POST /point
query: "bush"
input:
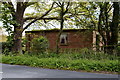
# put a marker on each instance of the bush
(60, 63)
(39, 45)
(6, 48)
(93, 55)
(24, 41)
(118, 50)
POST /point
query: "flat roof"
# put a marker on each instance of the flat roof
(56, 30)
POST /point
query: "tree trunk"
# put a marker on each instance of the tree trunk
(17, 47)
(61, 30)
(61, 27)
(107, 26)
(110, 33)
(18, 28)
(100, 30)
(114, 27)
(57, 42)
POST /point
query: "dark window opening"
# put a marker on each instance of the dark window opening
(63, 39)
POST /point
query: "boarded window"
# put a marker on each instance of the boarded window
(63, 39)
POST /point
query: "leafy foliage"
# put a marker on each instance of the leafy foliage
(76, 15)
(7, 18)
(118, 49)
(86, 60)
(82, 54)
(7, 46)
(64, 63)
(39, 45)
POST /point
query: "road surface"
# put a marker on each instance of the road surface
(17, 71)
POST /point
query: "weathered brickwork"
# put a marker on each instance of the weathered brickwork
(76, 38)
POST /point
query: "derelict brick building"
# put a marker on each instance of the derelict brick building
(70, 38)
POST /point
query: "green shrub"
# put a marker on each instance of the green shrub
(24, 41)
(59, 63)
(77, 55)
(39, 45)
(6, 48)
(118, 50)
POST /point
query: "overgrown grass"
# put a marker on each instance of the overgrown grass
(87, 62)
(91, 55)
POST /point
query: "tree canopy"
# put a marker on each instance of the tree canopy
(100, 16)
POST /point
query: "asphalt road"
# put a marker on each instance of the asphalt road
(16, 71)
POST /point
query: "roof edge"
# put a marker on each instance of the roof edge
(49, 30)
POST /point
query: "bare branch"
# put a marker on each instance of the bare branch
(73, 15)
(30, 3)
(58, 4)
(66, 8)
(25, 3)
(52, 18)
(29, 18)
(110, 8)
(40, 17)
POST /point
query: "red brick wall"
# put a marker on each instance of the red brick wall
(76, 38)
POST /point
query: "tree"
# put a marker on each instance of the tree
(62, 12)
(77, 12)
(70, 11)
(108, 25)
(15, 17)
(114, 27)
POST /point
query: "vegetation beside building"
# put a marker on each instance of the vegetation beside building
(75, 61)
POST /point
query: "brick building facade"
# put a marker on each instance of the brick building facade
(70, 38)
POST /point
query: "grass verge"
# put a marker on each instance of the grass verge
(63, 63)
